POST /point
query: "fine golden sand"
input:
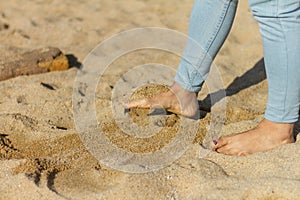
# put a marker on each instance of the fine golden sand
(43, 157)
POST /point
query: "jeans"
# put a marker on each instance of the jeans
(279, 22)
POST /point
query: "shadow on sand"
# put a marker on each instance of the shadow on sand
(252, 77)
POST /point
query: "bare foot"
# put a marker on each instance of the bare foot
(266, 136)
(176, 100)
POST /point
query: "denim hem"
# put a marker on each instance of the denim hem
(278, 116)
(277, 120)
(185, 85)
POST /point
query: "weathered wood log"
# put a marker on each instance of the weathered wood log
(33, 62)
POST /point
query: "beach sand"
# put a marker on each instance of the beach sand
(42, 155)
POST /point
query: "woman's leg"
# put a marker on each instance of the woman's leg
(280, 29)
(210, 23)
(279, 22)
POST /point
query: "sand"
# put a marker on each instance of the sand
(42, 155)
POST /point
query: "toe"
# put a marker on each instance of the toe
(226, 151)
(219, 143)
(142, 103)
(231, 151)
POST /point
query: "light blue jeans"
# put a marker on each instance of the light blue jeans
(279, 21)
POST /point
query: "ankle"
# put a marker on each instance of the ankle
(176, 88)
(277, 125)
(284, 130)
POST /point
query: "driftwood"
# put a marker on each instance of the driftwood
(33, 62)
